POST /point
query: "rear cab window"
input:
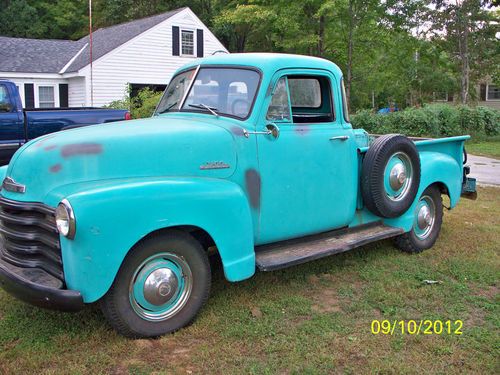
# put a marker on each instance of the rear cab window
(308, 98)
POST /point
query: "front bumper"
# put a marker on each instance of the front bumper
(37, 287)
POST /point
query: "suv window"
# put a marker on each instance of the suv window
(4, 99)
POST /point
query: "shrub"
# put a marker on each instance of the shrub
(140, 106)
(433, 120)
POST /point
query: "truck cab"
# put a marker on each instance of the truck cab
(251, 156)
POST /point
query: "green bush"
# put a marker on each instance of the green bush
(434, 120)
(140, 106)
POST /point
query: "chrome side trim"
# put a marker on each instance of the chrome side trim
(8, 146)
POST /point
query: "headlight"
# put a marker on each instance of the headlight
(65, 219)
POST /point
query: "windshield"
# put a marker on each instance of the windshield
(220, 91)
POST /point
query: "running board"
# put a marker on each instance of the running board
(291, 252)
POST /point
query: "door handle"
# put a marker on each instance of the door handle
(340, 138)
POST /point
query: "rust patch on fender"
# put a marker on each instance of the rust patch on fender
(81, 149)
(253, 184)
(50, 148)
(55, 168)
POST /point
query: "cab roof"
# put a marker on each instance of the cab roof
(268, 62)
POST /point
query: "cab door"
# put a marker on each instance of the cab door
(308, 173)
(11, 124)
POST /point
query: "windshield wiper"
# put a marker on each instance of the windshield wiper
(204, 106)
(168, 108)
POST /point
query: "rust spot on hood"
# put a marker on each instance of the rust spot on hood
(50, 148)
(253, 184)
(81, 149)
(55, 168)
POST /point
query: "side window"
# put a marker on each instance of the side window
(311, 98)
(4, 99)
(279, 109)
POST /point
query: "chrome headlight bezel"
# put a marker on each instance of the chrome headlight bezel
(65, 219)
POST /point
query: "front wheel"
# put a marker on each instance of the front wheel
(426, 224)
(161, 286)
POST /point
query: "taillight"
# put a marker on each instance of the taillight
(127, 116)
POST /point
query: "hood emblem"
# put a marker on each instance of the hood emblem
(214, 165)
(10, 185)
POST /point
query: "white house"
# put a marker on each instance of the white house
(136, 54)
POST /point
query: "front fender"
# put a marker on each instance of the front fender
(112, 216)
(436, 167)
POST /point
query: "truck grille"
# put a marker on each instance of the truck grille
(29, 237)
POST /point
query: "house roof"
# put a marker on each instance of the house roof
(35, 55)
(51, 56)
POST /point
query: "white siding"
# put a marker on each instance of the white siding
(146, 59)
(76, 92)
(36, 82)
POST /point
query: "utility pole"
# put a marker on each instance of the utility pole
(91, 58)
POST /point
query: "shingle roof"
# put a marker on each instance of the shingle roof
(35, 55)
(50, 56)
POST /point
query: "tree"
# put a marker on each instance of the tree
(466, 30)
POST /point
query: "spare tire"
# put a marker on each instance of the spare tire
(390, 175)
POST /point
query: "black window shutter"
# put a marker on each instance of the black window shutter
(199, 42)
(482, 92)
(175, 41)
(63, 95)
(29, 95)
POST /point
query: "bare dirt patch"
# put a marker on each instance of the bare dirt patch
(326, 301)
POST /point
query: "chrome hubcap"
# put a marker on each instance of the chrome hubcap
(398, 176)
(161, 286)
(425, 217)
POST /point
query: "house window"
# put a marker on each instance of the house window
(187, 42)
(46, 97)
(493, 92)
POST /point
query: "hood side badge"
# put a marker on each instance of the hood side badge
(214, 165)
(10, 185)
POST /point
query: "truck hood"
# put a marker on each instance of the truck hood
(162, 146)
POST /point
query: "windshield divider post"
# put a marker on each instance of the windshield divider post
(189, 87)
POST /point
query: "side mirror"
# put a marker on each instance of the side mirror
(273, 130)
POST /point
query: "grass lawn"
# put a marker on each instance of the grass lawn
(484, 148)
(313, 318)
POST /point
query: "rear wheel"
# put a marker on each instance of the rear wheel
(161, 286)
(427, 222)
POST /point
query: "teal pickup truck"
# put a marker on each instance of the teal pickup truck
(249, 156)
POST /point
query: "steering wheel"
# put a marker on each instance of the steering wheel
(240, 107)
